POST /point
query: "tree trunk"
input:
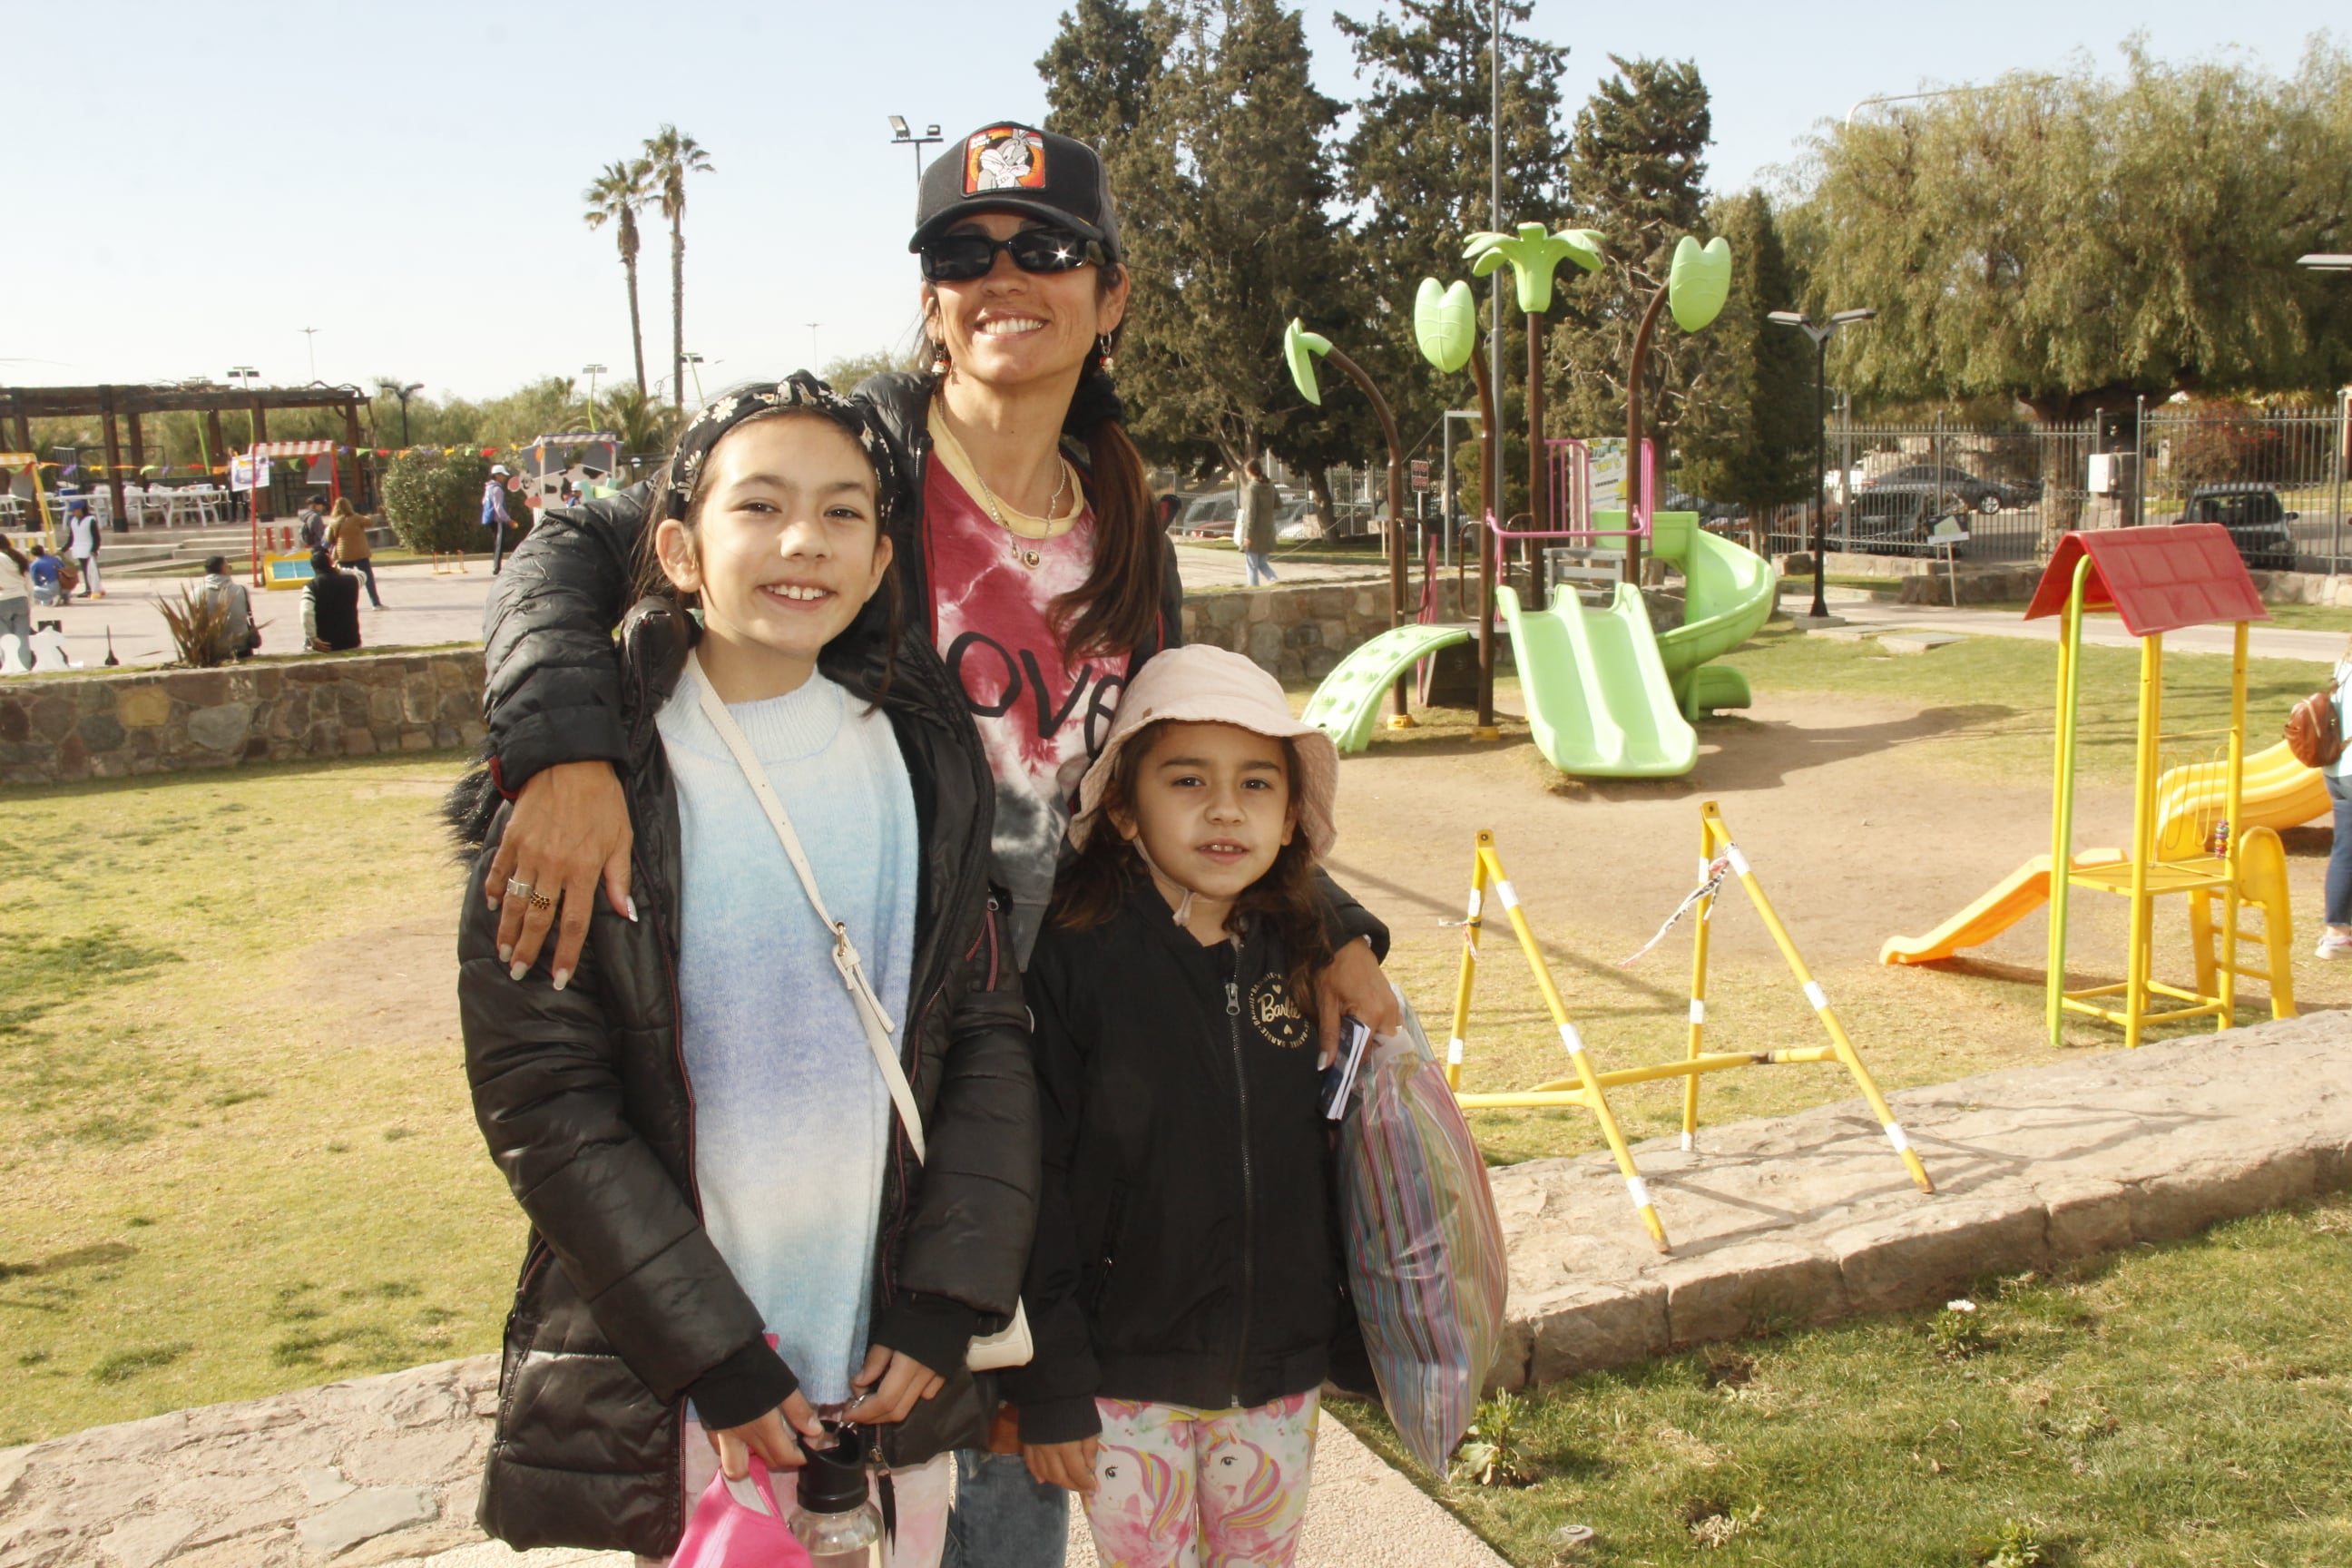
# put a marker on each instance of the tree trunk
(636, 328)
(677, 312)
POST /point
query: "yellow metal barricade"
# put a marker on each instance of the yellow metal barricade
(1720, 856)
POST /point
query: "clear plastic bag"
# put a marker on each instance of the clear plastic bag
(1423, 1245)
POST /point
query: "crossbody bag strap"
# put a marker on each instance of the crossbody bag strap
(877, 1025)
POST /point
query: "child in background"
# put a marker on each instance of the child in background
(1186, 1283)
(732, 1232)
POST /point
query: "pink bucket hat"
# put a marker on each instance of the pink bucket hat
(1204, 685)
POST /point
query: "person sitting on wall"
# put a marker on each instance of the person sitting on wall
(331, 606)
(238, 636)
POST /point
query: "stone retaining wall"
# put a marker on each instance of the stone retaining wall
(119, 723)
(126, 722)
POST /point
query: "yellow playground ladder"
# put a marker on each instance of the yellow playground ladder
(1720, 856)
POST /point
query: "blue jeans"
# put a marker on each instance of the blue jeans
(1004, 1516)
(2340, 856)
(1260, 568)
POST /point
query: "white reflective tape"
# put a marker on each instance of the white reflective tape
(1738, 861)
(1475, 900)
(1816, 996)
(1453, 1051)
(1507, 893)
(1686, 1143)
(1571, 1039)
(1639, 1190)
(1894, 1136)
(1698, 1010)
(1706, 867)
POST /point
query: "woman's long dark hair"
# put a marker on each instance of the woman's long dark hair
(1116, 609)
(1097, 884)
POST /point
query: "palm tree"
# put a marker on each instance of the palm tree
(614, 198)
(670, 156)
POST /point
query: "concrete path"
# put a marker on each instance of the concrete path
(426, 609)
(2102, 631)
(384, 1470)
(1810, 1217)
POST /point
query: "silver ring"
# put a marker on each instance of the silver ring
(517, 887)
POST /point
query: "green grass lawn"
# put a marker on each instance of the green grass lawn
(239, 1153)
(2171, 1406)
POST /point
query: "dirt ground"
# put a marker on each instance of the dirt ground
(1857, 832)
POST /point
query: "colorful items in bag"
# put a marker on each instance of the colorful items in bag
(1424, 1247)
(737, 1525)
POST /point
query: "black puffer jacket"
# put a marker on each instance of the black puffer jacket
(551, 694)
(625, 1306)
(1187, 1251)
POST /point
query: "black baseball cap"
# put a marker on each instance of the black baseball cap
(1007, 167)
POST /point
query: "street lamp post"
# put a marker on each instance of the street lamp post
(694, 364)
(2325, 261)
(591, 372)
(1821, 335)
(903, 134)
(402, 392)
(245, 375)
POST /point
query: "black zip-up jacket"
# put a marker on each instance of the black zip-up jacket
(550, 692)
(1186, 1249)
(625, 1308)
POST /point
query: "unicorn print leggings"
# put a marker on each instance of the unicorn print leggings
(1178, 1488)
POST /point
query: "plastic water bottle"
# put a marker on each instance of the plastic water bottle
(838, 1523)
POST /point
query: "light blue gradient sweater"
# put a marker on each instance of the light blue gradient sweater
(791, 1118)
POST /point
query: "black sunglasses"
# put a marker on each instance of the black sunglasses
(962, 257)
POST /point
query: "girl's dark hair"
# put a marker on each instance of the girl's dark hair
(1116, 608)
(888, 621)
(1098, 882)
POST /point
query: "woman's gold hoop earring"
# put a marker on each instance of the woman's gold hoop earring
(1104, 347)
(938, 357)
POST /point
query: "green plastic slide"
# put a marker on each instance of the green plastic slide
(1347, 702)
(1599, 703)
(1606, 698)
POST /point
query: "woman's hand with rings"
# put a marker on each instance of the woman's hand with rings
(1070, 1466)
(771, 1436)
(1353, 986)
(888, 1387)
(567, 832)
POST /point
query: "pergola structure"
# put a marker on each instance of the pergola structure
(120, 410)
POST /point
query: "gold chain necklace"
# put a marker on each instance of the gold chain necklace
(1031, 557)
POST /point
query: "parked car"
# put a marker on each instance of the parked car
(2256, 519)
(1207, 517)
(1297, 520)
(1972, 491)
(1901, 519)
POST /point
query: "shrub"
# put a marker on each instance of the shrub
(199, 626)
(435, 503)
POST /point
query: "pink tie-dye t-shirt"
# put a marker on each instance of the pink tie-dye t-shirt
(1042, 717)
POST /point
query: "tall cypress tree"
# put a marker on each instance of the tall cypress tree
(1098, 72)
(1224, 182)
(1748, 437)
(1417, 167)
(1636, 173)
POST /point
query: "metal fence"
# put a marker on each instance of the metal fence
(2275, 479)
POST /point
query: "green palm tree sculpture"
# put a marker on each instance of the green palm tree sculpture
(1698, 281)
(670, 156)
(1445, 330)
(1300, 349)
(1533, 256)
(615, 197)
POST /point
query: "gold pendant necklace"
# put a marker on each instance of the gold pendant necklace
(1031, 557)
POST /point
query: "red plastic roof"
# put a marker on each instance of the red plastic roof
(2160, 579)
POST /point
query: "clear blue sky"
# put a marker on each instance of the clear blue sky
(198, 184)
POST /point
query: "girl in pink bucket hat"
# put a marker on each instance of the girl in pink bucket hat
(1184, 1285)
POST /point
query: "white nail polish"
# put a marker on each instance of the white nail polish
(562, 978)
(518, 970)
(631, 901)
(506, 953)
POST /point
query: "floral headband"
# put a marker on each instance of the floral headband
(799, 390)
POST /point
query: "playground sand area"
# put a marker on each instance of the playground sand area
(242, 1050)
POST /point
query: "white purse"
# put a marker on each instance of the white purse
(1011, 1346)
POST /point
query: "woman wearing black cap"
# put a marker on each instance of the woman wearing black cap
(1047, 581)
